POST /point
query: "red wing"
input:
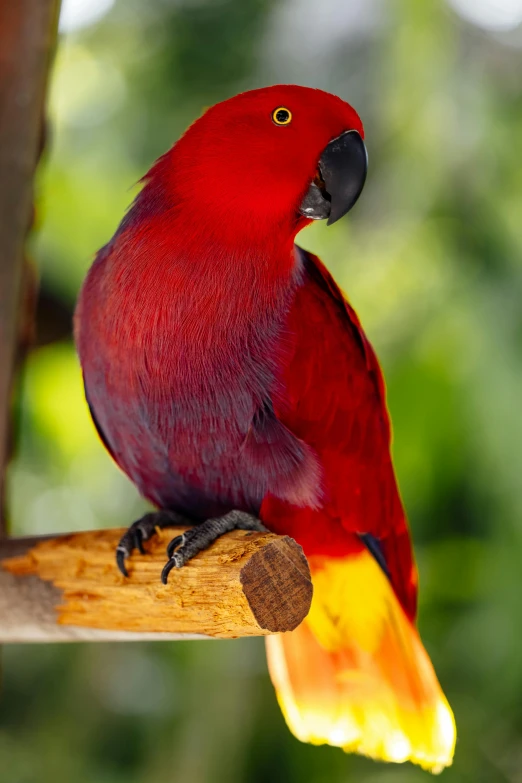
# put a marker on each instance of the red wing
(324, 280)
(336, 403)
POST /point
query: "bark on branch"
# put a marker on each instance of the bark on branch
(68, 588)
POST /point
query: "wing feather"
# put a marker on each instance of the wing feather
(335, 401)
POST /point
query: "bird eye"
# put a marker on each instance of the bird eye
(282, 116)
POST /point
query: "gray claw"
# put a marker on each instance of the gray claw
(121, 554)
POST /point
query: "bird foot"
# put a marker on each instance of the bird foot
(142, 530)
(182, 548)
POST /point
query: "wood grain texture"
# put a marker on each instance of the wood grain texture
(245, 584)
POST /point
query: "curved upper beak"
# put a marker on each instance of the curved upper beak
(340, 180)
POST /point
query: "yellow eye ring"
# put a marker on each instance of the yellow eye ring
(282, 116)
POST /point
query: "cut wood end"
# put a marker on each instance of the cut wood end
(277, 584)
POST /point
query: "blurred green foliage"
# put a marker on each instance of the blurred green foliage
(430, 258)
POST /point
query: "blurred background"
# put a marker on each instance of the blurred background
(431, 258)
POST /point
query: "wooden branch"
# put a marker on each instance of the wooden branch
(27, 36)
(68, 588)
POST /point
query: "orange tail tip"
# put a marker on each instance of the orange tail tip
(355, 673)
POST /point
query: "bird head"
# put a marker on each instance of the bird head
(279, 156)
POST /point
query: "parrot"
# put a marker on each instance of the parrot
(230, 379)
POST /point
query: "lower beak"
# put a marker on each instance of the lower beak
(342, 174)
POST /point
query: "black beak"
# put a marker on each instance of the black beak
(341, 177)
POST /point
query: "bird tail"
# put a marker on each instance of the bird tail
(355, 674)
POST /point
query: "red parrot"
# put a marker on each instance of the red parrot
(232, 382)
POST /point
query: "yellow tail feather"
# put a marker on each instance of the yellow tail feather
(355, 673)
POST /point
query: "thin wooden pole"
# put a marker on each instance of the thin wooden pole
(69, 588)
(27, 38)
